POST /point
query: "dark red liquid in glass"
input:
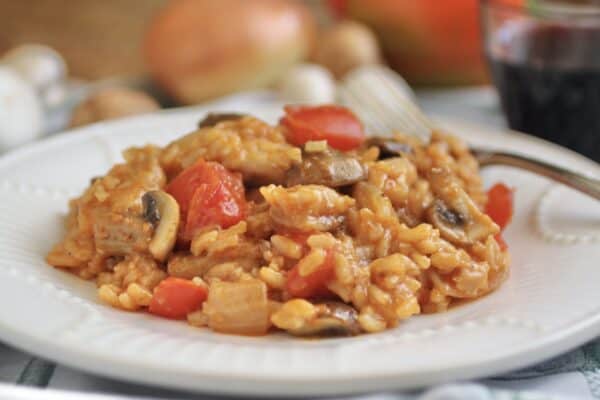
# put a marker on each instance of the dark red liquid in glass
(549, 83)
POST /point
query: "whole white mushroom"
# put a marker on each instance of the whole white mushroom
(39, 65)
(308, 84)
(21, 115)
(346, 46)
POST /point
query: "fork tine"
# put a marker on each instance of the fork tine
(362, 95)
(346, 98)
(408, 111)
(385, 101)
(350, 99)
(369, 103)
(395, 85)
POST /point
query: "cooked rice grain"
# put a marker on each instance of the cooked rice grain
(392, 255)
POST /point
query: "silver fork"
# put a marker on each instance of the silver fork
(385, 103)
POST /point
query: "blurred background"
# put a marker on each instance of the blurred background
(98, 39)
(101, 39)
(91, 60)
(69, 63)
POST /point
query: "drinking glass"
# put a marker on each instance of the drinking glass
(544, 58)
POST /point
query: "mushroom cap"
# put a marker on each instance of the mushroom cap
(39, 65)
(334, 319)
(307, 84)
(21, 114)
(110, 103)
(389, 147)
(162, 211)
(454, 213)
(212, 119)
(330, 168)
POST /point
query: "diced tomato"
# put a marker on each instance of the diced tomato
(208, 194)
(500, 204)
(501, 241)
(183, 186)
(338, 7)
(338, 125)
(175, 298)
(213, 205)
(313, 285)
(500, 208)
(300, 238)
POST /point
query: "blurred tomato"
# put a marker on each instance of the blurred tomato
(427, 41)
(338, 7)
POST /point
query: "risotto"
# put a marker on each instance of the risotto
(310, 226)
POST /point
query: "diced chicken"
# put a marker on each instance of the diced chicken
(108, 217)
(306, 207)
(246, 145)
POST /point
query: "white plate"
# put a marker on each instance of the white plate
(550, 303)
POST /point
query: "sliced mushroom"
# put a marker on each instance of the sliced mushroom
(329, 168)
(450, 223)
(333, 319)
(454, 213)
(162, 211)
(212, 119)
(389, 147)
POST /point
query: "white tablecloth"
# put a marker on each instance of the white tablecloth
(573, 376)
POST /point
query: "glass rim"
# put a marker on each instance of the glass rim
(552, 10)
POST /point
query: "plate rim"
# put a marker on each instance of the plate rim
(553, 344)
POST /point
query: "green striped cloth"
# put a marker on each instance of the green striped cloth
(575, 375)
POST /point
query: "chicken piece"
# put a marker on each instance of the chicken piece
(109, 216)
(246, 145)
(218, 247)
(306, 207)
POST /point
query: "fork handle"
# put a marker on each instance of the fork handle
(572, 179)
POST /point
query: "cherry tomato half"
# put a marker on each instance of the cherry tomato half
(500, 204)
(338, 125)
(208, 194)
